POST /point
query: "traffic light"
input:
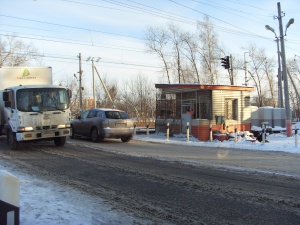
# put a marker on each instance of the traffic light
(225, 62)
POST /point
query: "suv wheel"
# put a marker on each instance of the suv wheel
(94, 135)
(126, 139)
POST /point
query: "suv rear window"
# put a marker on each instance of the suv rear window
(116, 115)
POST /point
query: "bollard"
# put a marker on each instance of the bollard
(235, 134)
(168, 132)
(9, 199)
(187, 131)
(147, 129)
(296, 135)
(210, 133)
(264, 133)
(134, 129)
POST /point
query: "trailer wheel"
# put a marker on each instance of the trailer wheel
(60, 141)
(12, 141)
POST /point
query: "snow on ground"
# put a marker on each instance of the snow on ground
(46, 202)
(275, 142)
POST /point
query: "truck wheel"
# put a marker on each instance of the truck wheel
(60, 141)
(12, 141)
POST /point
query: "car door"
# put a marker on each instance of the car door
(88, 122)
(80, 123)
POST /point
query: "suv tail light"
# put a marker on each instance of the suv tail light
(104, 122)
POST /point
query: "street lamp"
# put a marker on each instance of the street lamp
(279, 76)
(284, 70)
(291, 21)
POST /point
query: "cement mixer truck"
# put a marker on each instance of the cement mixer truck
(31, 107)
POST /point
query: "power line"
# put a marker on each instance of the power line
(165, 15)
(77, 42)
(68, 26)
(109, 61)
(246, 31)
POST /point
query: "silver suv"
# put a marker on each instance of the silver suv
(103, 123)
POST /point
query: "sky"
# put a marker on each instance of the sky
(114, 31)
(46, 202)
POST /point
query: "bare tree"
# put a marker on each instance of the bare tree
(176, 39)
(139, 97)
(190, 46)
(294, 71)
(15, 52)
(267, 67)
(194, 55)
(259, 68)
(157, 41)
(208, 49)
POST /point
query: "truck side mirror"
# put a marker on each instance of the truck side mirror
(70, 93)
(5, 96)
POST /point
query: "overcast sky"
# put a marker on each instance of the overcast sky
(115, 30)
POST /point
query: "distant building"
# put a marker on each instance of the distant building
(89, 102)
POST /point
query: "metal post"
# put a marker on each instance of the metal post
(147, 129)
(296, 135)
(187, 131)
(284, 74)
(134, 129)
(264, 133)
(210, 133)
(235, 134)
(168, 131)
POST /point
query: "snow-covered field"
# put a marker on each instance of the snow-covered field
(46, 202)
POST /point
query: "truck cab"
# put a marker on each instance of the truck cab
(35, 113)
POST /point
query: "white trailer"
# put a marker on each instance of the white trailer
(31, 108)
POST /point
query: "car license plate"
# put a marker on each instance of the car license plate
(120, 124)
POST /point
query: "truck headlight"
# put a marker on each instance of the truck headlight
(61, 126)
(25, 129)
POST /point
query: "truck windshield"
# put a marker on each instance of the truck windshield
(42, 99)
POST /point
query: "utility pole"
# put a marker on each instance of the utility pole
(80, 88)
(93, 73)
(284, 74)
(246, 69)
(94, 96)
(280, 96)
(231, 70)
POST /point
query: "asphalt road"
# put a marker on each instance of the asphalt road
(220, 186)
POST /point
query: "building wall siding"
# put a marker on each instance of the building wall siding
(244, 107)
